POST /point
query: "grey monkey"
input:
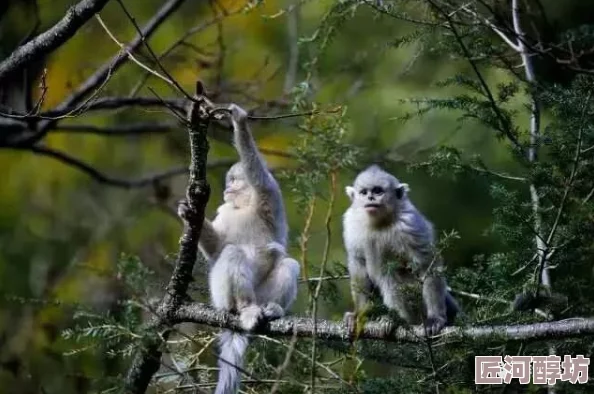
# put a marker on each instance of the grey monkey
(250, 271)
(381, 226)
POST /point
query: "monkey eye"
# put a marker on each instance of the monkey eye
(377, 190)
(363, 192)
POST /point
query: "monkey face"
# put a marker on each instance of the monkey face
(237, 189)
(377, 192)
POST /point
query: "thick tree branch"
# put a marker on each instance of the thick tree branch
(74, 104)
(52, 38)
(381, 330)
(148, 359)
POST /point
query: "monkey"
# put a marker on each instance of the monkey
(250, 271)
(382, 226)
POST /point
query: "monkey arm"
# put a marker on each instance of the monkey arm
(254, 166)
(434, 293)
(361, 285)
(210, 241)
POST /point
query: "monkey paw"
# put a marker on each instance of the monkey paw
(434, 324)
(238, 114)
(249, 317)
(184, 211)
(272, 310)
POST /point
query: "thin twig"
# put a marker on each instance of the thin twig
(285, 364)
(316, 294)
(150, 50)
(124, 48)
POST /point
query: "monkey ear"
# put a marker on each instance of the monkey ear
(401, 190)
(350, 191)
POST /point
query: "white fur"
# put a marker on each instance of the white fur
(246, 247)
(393, 230)
(233, 347)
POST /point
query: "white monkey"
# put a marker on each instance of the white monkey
(250, 272)
(381, 227)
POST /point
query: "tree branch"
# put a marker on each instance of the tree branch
(98, 175)
(48, 41)
(148, 359)
(118, 130)
(382, 330)
(72, 104)
(109, 67)
(104, 103)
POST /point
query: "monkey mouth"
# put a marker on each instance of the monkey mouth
(372, 207)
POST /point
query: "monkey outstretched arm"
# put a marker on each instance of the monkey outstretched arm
(254, 165)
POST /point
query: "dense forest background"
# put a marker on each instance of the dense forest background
(399, 83)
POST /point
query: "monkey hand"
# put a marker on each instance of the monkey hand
(238, 115)
(185, 211)
(434, 324)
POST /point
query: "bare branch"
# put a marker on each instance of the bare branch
(168, 77)
(104, 103)
(148, 359)
(98, 175)
(130, 55)
(53, 38)
(383, 330)
(116, 62)
(115, 131)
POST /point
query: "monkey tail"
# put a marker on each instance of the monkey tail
(232, 348)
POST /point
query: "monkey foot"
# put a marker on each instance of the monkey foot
(250, 316)
(434, 324)
(272, 310)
